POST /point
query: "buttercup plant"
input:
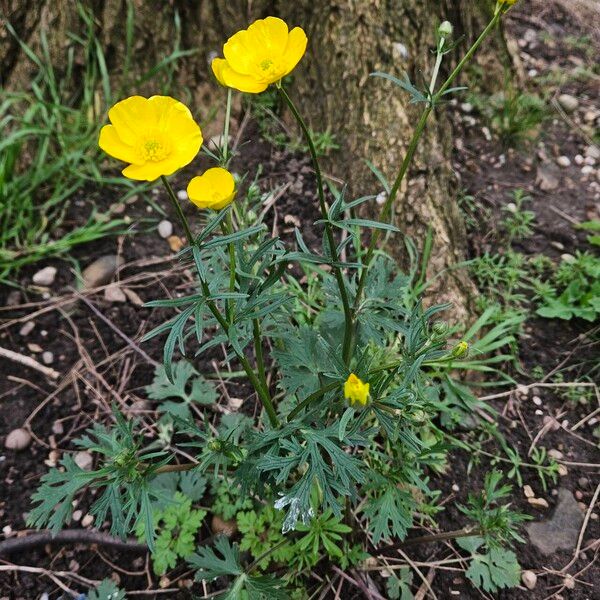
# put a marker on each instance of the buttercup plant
(351, 393)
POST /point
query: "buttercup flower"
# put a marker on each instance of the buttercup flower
(156, 135)
(214, 189)
(355, 390)
(260, 55)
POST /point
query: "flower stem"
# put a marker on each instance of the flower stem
(258, 352)
(225, 139)
(346, 352)
(387, 207)
(177, 206)
(261, 391)
(228, 229)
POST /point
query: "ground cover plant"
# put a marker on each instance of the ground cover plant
(311, 409)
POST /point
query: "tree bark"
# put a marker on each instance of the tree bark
(348, 39)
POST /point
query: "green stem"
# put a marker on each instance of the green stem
(387, 207)
(346, 352)
(227, 228)
(177, 206)
(262, 392)
(258, 351)
(225, 139)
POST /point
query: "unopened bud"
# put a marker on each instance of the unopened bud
(445, 29)
(439, 328)
(461, 349)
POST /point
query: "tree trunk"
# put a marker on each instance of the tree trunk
(348, 39)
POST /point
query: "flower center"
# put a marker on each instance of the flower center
(266, 64)
(155, 148)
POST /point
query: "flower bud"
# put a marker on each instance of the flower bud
(439, 328)
(445, 29)
(460, 350)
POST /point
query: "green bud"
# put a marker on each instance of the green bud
(445, 29)
(439, 328)
(461, 349)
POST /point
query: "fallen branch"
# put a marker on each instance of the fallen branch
(29, 362)
(68, 536)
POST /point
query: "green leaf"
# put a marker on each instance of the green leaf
(186, 385)
(390, 513)
(210, 565)
(106, 590)
(496, 570)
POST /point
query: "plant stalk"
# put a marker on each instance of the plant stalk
(346, 349)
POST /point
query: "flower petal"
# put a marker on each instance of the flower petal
(270, 35)
(112, 144)
(130, 116)
(295, 49)
(240, 81)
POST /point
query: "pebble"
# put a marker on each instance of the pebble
(133, 297)
(551, 423)
(567, 258)
(562, 470)
(182, 195)
(587, 170)
(563, 161)
(556, 454)
(593, 151)
(569, 103)
(26, 329)
(165, 229)
(35, 348)
(578, 495)
(538, 502)
(529, 493)
(45, 277)
(547, 178)
(522, 391)
(529, 579)
(57, 428)
(77, 515)
(466, 107)
(537, 400)
(47, 357)
(175, 243)
(455, 488)
(113, 293)
(101, 271)
(17, 439)
(578, 159)
(569, 582)
(219, 526)
(7, 530)
(83, 460)
(583, 482)
(87, 520)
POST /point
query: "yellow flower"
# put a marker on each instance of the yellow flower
(355, 390)
(156, 135)
(214, 189)
(260, 55)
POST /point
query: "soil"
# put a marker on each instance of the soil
(101, 362)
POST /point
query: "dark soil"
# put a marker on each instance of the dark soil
(100, 367)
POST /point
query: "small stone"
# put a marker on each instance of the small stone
(561, 530)
(113, 293)
(590, 116)
(569, 582)
(528, 491)
(578, 159)
(511, 207)
(45, 277)
(539, 412)
(551, 423)
(466, 107)
(7, 530)
(587, 170)
(563, 161)
(133, 297)
(219, 526)
(87, 520)
(57, 428)
(101, 271)
(568, 258)
(583, 482)
(77, 515)
(175, 243)
(83, 460)
(547, 178)
(165, 229)
(455, 488)
(537, 400)
(529, 579)
(47, 357)
(593, 152)
(569, 103)
(562, 470)
(26, 329)
(522, 391)
(555, 454)
(35, 348)
(164, 582)
(538, 502)
(182, 195)
(17, 439)
(578, 495)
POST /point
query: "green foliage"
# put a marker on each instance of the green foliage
(322, 534)
(187, 385)
(492, 570)
(106, 590)
(594, 227)
(515, 116)
(398, 587)
(228, 500)
(210, 565)
(518, 221)
(577, 294)
(176, 526)
(261, 535)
